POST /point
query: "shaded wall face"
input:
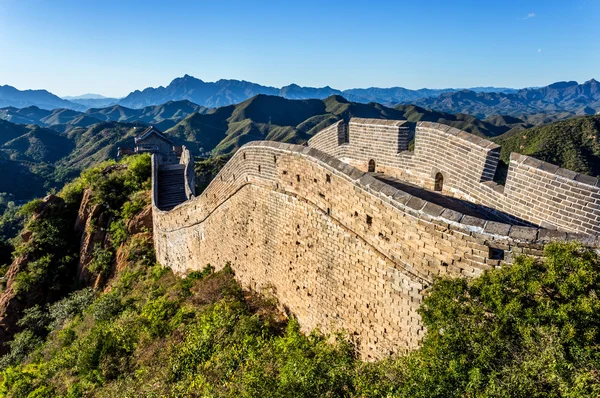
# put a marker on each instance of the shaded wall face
(163, 146)
(332, 139)
(463, 164)
(187, 159)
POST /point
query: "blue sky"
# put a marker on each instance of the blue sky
(113, 47)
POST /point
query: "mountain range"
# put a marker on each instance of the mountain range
(569, 98)
(62, 120)
(41, 149)
(92, 100)
(10, 96)
(214, 94)
(227, 92)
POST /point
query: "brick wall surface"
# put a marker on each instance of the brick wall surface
(338, 248)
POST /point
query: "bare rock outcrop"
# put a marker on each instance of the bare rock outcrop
(91, 223)
(141, 222)
(11, 303)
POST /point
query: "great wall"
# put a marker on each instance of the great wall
(348, 231)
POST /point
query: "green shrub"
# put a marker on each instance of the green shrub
(51, 252)
(12, 222)
(35, 273)
(101, 260)
(24, 381)
(30, 208)
(72, 305)
(157, 314)
(105, 352)
(118, 233)
(141, 249)
(35, 319)
(107, 306)
(186, 283)
(132, 207)
(140, 168)
(20, 346)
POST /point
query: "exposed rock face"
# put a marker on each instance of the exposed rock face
(91, 223)
(11, 304)
(141, 222)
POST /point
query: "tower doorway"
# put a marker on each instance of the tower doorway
(439, 182)
(371, 166)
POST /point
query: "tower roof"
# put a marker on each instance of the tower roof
(149, 131)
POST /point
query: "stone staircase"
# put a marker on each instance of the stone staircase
(171, 186)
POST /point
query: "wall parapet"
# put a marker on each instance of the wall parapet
(463, 135)
(464, 165)
(187, 159)
(550, 168)
(332, 138)
(399, 199)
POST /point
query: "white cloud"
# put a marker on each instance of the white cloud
(529, 16)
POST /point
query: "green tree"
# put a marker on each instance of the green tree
(530, 329)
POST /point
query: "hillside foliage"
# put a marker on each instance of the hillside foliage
(572, 144)
(64, 142)
(526, 330)
(45, 248)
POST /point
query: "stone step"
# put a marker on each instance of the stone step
(172, 195)
(168, 184)
(171, 186)
(171, 167)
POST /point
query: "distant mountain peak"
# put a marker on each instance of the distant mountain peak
(187, 79)
(85, 96)
(561, 85)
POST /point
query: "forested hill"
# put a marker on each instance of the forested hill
(37, 158)
(573, 144)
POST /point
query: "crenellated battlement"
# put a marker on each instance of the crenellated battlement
(463, 166)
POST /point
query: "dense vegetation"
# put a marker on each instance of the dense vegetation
(526, 330)
(46, 253)
(572, 144)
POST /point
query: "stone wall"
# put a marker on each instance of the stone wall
(153, 141)
(338, 248)
(332, 139)
(187, 159)
(535, 192)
